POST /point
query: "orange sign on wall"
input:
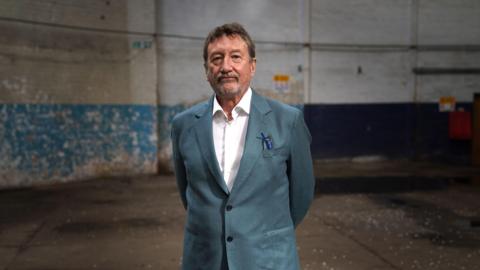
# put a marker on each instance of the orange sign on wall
(446, 104)
(281, 82)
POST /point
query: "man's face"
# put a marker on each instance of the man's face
(229, 67)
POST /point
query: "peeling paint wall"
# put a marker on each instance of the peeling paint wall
(50, 143)
(77, 90)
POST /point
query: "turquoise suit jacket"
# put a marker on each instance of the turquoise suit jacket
(253, 225)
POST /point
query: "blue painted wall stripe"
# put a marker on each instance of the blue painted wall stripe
(53, 140)
(165, 117)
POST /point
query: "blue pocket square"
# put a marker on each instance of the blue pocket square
(266, 142)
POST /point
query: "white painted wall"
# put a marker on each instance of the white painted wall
(361, 77)
(272, 20)
(380, 36)
(449, 22)
(280, 59)
(361, 22)
(455, 23)
(180, 64)
(78, 52)
(107, 69)
(181, 75)
(136, 15)
(432, 87)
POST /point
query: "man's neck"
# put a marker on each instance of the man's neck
(229, 103)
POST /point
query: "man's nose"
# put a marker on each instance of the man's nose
(226, 65)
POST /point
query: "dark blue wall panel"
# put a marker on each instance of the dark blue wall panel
(431, 139)
(397, 130)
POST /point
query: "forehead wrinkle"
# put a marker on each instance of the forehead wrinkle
(221, 43)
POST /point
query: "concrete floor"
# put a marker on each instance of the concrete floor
(137, 223)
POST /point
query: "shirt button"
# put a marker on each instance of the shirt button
(229, 207)
(229, 239)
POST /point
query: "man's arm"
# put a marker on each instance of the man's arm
(300, 171)
(179, 167)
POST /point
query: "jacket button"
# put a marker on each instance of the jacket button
(229, 239)
(229, 207)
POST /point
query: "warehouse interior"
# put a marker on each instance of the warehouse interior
(390, 92)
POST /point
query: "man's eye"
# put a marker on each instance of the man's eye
(236, 58)
(216, 59)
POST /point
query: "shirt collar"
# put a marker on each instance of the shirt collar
(243, 105)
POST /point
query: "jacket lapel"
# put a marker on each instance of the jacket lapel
(204, 136)
(253, 145)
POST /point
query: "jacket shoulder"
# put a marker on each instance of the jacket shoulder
(185, 118)
(280, 106)
(284, 111)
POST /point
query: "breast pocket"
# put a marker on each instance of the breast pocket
(281, 151)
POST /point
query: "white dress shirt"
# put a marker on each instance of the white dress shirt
(229, 136)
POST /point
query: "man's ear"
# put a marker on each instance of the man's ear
(253, 66)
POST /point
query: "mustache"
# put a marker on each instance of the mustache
(227, 76)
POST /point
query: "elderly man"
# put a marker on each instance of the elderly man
(243, 166)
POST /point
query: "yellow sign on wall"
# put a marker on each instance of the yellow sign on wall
(281, 82)
(446, 104)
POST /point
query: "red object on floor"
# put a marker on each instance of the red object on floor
(460, 125)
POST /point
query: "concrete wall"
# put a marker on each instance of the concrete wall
(387, 39)
(78, 92)
(365, 98)
(182, 27)
(89, 88)
(350, 62)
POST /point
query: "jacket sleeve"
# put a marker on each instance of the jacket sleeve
(300, 171)
(178, 164)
